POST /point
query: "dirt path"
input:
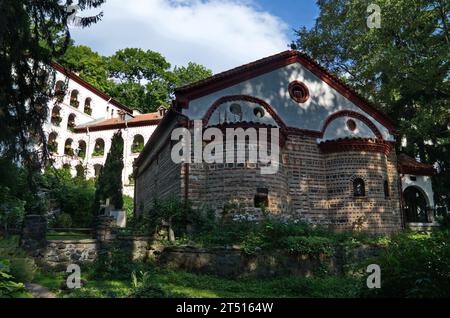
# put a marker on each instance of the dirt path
(39, 291)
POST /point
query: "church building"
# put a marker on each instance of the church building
(338, 164)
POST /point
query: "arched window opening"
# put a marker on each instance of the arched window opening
(99, 148)
(88, 106)
(138, 144)
(81, 152)
(60, 91)
(386, 189)
(74, 99)
(261, 199)
(97, 170)
(56, 116)
(415, 205)
(131, 179)
(52, 143)
(81, 171)
(71, 122)
(359, 187)
(68, 150)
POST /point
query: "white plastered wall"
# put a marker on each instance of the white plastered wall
(423, 183)
(272, 87)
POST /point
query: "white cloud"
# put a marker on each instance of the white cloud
(219, 34)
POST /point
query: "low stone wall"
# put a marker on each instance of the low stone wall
(222, 261)
(59, 254)
(141, 247)
(232, 261)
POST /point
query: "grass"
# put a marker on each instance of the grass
(60, 236)
(189, 285)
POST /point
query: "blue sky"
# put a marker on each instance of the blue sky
(220, 34)
(295, 13)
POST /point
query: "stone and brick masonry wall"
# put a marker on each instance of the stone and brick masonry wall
(310, 185)
(161, 180)
(373, 212)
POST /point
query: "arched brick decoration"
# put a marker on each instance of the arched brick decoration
(349, 113)
(356, 144)
(246, 98)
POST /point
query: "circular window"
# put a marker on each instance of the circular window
(299, 92)
(259, 112)
(351, 125)
(236, 109)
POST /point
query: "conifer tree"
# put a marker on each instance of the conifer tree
(109, 183)
(32, 34)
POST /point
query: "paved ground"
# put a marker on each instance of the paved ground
(39, 291)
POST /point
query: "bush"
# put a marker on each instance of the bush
(12, 211)
(145, 286)
(22, 267)
(62, 220)
(414, 265)
(9, 287)
(114, 261)
(74, 196)
(311, 245)
(128, 207)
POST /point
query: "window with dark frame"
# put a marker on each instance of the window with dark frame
(386, 189)
(261, 198)
(359, 187)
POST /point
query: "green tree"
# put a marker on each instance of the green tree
(28, 43)
(109, 183)
(402, 66)
(140, 79)
(142, 75)
(90, 65)
(73, 196)
(190, 74)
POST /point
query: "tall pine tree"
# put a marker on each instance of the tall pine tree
(32, 34)
(109, 183)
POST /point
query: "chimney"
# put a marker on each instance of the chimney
(162, 111)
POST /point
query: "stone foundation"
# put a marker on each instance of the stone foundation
(233, 262)
(59, 254)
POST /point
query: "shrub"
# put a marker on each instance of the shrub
(74, 196)
(308, 245)
(145, 286)
(128, 207)
(414, 265)
(114, 261)
(62, 220)
(9, 287)
(22, 267)
(12, 211)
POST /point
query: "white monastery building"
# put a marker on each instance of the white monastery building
(82, 121)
